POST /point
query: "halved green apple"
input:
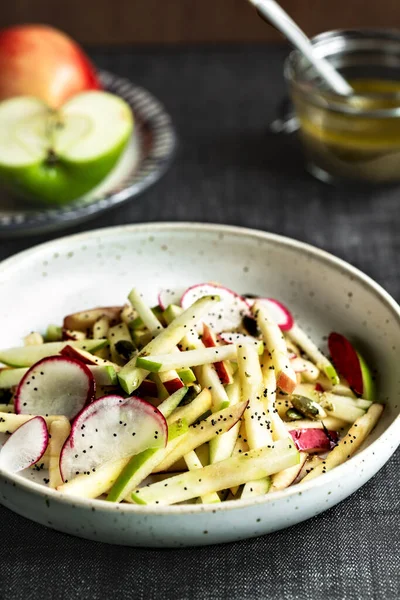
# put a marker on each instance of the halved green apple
(57, 156)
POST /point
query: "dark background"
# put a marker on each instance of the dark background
(191, 21)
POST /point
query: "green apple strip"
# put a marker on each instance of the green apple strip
(53, 333)
(307, 369)
(172, 402)
(255, 417)
(299, 337)
(150, 320)
(221, 447)
(191, 412)
(26, 356)
(208, 378)
(100, 328)
(128, 314)
(97, 483)
(276, 345)
(342, 407)
(132, 376)
(331, 423)
(251, 383)
(200, 433)
(193, 462)
(9, 422)
(258, 487)
(278, 429)
(190, 358)
(234, 471)
(116, 335)
(59, 431)
(282, 480)
(350, 443)
(241, 446)
(206, 374)
(11, 377)
(144, 311)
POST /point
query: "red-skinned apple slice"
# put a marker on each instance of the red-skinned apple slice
(55, 386)
(25, 446)
(278, 311)
(313, 440)
(148, 388)
(85, 357)
(351, 365)
(223, 370)
(111, 428)
(83, 320)
(225, 316)
(171, 385)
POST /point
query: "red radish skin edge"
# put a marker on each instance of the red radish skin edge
(78, 422)
(78, 419)
(346, 361)
(285, 324)
(161, 304)
(45, 438)
(313, 440)
(217, 287)
(91, 388)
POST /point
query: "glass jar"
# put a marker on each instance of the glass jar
(357, 137)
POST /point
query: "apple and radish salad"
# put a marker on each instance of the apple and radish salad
(60, 133)
(207, 396)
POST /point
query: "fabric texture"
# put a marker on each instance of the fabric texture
(230, 169)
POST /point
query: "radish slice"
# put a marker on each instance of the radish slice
(167, 297)
(111, 428)
(346, 360)
(55, 386)
(314, 440)
(225, 315)
(25, 446)
(277, 310)
(231, 337)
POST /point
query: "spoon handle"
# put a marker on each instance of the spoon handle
(273, 12)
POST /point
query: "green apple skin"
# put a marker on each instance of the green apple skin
(62, 182)
(369, 387)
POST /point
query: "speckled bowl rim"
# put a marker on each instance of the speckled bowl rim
(328, 479)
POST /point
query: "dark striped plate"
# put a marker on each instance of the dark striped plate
(146, 159)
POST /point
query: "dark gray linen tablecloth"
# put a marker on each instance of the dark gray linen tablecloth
(229, 169)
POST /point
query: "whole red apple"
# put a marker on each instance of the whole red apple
(38, 60)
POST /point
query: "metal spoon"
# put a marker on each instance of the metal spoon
(273, 12)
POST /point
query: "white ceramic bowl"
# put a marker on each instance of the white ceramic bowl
(40, 285)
